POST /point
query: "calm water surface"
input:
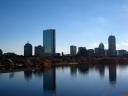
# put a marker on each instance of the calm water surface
(110, 80)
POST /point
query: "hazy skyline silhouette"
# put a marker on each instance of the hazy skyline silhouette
(77, 22)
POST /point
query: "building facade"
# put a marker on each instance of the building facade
(112, 46)
(101, 49)
(49, 41)
(96, 51)
(27, 49)
(112, 42)
(73, 50)
(39, 50)
(82, 51)
(90, 52)
(122, 53)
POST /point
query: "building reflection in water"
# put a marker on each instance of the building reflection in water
(73, 70)
(83, 69)
(49, 82)
(28, 75)
(101, 70)
(38, 73)
(11, 75)
(112, 73)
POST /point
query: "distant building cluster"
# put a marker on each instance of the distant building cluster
(100, 50)
(49, 48)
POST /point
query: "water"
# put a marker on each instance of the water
(109, 80)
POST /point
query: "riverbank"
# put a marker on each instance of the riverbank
(25, 63)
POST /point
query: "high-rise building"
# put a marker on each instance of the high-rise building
(49, 41)
(112, 46)
(27, 49)
(101, 50)
(1, 52)
(112, 42)
(39, 50)
(101, 46)
(73, 50)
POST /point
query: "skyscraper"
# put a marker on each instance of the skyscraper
(27, 49)
(112, 46)
(111, 42)
(73, 50)
(49, 41)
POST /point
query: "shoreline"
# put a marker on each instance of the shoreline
(8, 64)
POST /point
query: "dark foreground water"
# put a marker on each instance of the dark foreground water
(110, 80)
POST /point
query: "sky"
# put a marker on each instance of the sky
(84, 23)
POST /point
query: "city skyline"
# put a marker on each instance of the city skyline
(69, 49)
(49, 47)
(81, 23)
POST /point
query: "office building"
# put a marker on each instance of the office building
(101, 49)
(82, 51)
(101, 46)
(111, 42)
(27, 49)
(73, 50)
(39, 50)
(122, 52)
(49, 41)
(96, 51)
(90, 52)
(112, 46)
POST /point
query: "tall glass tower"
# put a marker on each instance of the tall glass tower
(112, 42)
(112, 46)
(73, 50)
(49, 41)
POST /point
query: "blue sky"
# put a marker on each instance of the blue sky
(77, 22)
